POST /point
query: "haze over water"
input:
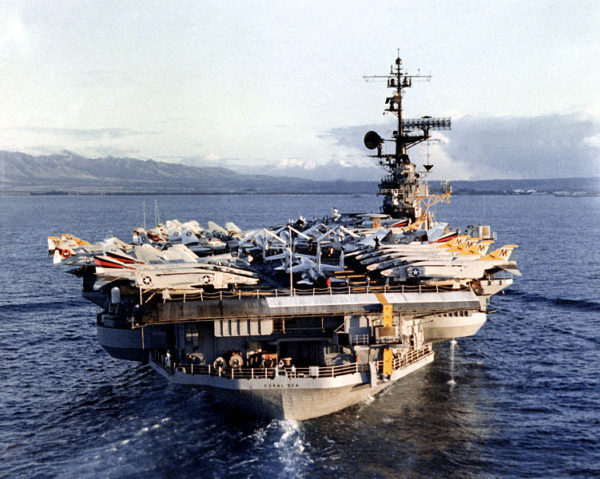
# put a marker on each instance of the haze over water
(519, 399)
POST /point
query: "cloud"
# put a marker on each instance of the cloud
(352, 136)
(592, 141)
(14, 37)
(286, 163)
(336, 169)
(115, 151)
(84, 134)
(106, 78)
(549, 146)
(210, 160)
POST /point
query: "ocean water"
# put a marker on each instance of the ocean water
(520, 399)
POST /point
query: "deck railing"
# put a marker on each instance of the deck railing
(359, 339)
(411, 356)
(400, 361)
(247, 293)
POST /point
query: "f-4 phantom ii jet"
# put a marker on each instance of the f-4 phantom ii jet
(458, 268)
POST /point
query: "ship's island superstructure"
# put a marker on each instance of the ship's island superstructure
(306, 318)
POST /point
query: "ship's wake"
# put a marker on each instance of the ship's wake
(291, 447)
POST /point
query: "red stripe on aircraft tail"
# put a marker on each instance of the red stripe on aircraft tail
(444, 239)
(107, 264)
(122, 259)
(400, 224)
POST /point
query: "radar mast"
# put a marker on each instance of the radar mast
(401, 189)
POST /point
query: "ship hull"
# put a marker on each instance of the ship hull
(443, 328)
(293, 398)
(131, 344)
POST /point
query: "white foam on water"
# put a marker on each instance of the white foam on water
(369, 400)
(291, 447)
(290, 428)
(453, 346)
(259, 435)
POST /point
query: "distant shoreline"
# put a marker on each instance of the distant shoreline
(173, 193)
(69, 174)
(560, 194)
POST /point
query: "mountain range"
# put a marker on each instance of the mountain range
(69, 173)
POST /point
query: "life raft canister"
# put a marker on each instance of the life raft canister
(219, 362)
(236, 360)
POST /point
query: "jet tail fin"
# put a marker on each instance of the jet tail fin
(503, 253)
(465, 246)
(479, 248)
(453, 243)
(72, 240)
(80, 242)
(53, 242)
(140, 236)
(188, 237)
(231, 227)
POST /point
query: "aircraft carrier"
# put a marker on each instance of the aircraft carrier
(305, 318)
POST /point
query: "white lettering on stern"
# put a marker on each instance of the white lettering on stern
(279, 385)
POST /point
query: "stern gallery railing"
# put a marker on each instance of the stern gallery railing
(400, 361)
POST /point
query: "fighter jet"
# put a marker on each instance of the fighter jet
(498, 260)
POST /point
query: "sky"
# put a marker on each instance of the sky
(276, 87)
